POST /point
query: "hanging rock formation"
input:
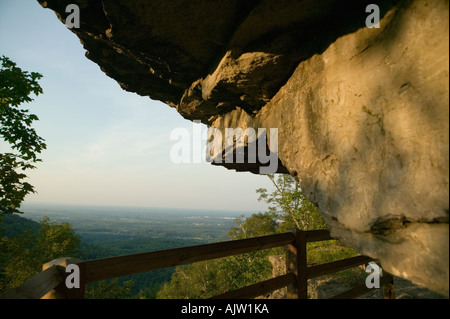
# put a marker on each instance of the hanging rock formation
(362, 113)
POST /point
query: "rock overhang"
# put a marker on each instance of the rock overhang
(361, 114)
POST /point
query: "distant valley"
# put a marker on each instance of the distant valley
(115, 231)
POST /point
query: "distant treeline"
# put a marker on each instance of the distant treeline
(14, 225)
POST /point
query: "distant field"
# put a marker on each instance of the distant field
(93, 223)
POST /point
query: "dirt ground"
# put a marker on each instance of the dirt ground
(326, 287)
(404, 289)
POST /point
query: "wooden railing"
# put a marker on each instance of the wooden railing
(50, 283)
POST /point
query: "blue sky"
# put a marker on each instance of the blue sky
(106, 146)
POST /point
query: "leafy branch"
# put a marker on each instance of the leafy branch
(16, 129)
(289, 202)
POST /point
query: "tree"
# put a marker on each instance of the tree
(22, 256)
(214, 277)
(259, 224)
(196, 281)
(250, 268)
(15, 128)
(290, 204)
(109, 289)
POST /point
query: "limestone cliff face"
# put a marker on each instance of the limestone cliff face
(362, 114)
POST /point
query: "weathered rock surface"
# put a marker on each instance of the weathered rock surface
(362, 114)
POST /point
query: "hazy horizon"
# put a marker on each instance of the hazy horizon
(82, 208)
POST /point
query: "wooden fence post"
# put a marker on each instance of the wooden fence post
(388, 286)
(301, 260)
(296, 264)
(61, 291)
(291, 267)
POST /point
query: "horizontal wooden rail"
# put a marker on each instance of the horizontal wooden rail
(126, 265)
(317, 235)
(37, 286)
(335, 266)
(51, 279)
(260, 288)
